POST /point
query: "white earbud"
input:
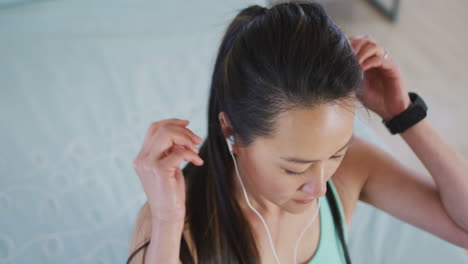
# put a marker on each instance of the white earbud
(231, 140)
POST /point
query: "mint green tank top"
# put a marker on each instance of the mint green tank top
(329, 249)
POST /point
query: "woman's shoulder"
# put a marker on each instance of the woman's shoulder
(350, 176)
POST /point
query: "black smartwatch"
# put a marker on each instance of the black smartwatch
(416, 112)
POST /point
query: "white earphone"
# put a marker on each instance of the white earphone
(230, 141)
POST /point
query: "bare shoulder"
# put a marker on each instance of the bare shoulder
(351, 176)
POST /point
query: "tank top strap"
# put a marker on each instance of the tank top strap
(340, 209)
(329, 249)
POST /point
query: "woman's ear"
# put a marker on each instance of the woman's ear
(228, 131)
(225, 124)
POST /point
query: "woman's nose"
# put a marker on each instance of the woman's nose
(316, 185)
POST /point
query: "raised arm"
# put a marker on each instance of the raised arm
(437, 203)
(167, 144)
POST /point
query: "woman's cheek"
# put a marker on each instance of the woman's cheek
(284, 186)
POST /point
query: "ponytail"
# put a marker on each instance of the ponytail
(219, 230)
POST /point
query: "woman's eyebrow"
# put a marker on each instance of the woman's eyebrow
(302, 161)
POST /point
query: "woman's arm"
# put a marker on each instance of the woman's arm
(386, 95)
(164, 240)
(436, 204)
(446, 166)
(165, 243)
(141, 234)
(405, 193)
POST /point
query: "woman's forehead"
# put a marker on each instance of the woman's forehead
(322, 128)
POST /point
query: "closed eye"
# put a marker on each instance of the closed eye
(337, 157)
(302, 172)
(294, 173)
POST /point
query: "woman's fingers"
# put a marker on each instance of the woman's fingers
(178, 155)
(372, 62)
(166, 138)
(196, 139)
(369, 53)
(364, 47)
(368, 49)
(168, 135)
(149, 137)
(358, 41)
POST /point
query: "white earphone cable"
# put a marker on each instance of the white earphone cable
(263, 221)
(303, 231)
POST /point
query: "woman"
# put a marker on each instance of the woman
(284, 89)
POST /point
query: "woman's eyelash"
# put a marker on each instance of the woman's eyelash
(300, 173)
(337, 157)
(294, 173)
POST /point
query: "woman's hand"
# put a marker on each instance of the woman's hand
(167, 144)
(384, 92)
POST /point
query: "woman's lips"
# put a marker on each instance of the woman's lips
(303, 201)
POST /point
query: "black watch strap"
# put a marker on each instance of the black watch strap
(416, 112)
